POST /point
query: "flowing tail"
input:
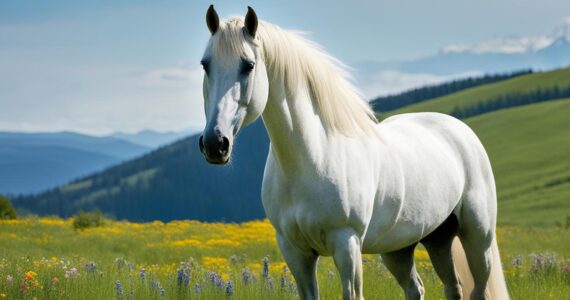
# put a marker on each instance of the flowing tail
(496, 286)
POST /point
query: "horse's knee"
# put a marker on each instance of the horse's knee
(345, 247)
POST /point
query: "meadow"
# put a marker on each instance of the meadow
(46, 258)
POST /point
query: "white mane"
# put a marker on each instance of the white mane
(302, 63)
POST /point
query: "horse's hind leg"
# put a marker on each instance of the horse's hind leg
(477, 245)
(303, 266)
(401, 264)
(438, 245)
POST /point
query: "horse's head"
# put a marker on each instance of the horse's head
(235, 83)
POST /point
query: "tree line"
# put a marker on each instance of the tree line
(392, 102)
(510, 100)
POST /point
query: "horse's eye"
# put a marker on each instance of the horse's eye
(247, 66)
(205, 65)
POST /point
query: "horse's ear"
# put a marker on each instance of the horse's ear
(251, 21)
(212, 19)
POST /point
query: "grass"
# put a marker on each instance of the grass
(46, 259)
(529, 148)
(521, 84)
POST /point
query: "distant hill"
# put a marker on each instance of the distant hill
(154, 139)
(528, 147)
(421, 94)
(34, 162)
(172, 182)
(521, 84)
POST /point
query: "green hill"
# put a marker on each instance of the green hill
(468, 97)
(529, 148)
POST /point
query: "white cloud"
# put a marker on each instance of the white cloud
(511, 45)
(98, 99)
(508, 45)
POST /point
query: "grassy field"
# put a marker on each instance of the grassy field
(522, 84)
(47, 259)
(529, 148)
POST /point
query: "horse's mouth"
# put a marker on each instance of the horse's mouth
(218, 161)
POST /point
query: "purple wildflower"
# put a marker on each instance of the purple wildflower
(197, 288)
(517, 261)
(182, 278)
(90, 267)
(119, 289)
(246, 276)
(143, 274)
(266, 267)
(229, 288)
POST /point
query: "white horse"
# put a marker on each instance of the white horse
(338, 183)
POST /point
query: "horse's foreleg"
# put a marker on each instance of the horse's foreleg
(348, 259)
(401, 264)
(303, 266)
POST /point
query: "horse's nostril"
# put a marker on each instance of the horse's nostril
(201, 144)
(225, 146)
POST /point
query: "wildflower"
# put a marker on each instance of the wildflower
(2, 295)
(283, 281)
(212, 276)
(9, 279)
(120, 262)
(90, 267)
(143, 274)
(330, 273)
(155, 284)
(517, 261)
(266, 267)
(197, 288)
(30, 279)
(71, 273)
(119, 289)
(229, 288)
(565, 269)
(219, 282)
(246, 276)
(55, 280)
(30, 275)
(182, 278)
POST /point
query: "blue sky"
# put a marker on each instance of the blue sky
(103, 66)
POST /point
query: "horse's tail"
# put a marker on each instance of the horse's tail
(496, 285)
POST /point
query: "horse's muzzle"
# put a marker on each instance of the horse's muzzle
(216, 149)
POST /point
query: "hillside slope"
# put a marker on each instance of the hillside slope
(34, 162)
(529, 148)
(173, 182)
(522, 84)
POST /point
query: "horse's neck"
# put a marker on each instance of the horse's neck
(295, 129)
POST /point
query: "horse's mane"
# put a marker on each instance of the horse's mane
(303, 63)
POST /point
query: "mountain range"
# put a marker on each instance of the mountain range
(34, 162)
(455, 62)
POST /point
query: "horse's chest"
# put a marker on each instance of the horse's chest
(304, 213)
